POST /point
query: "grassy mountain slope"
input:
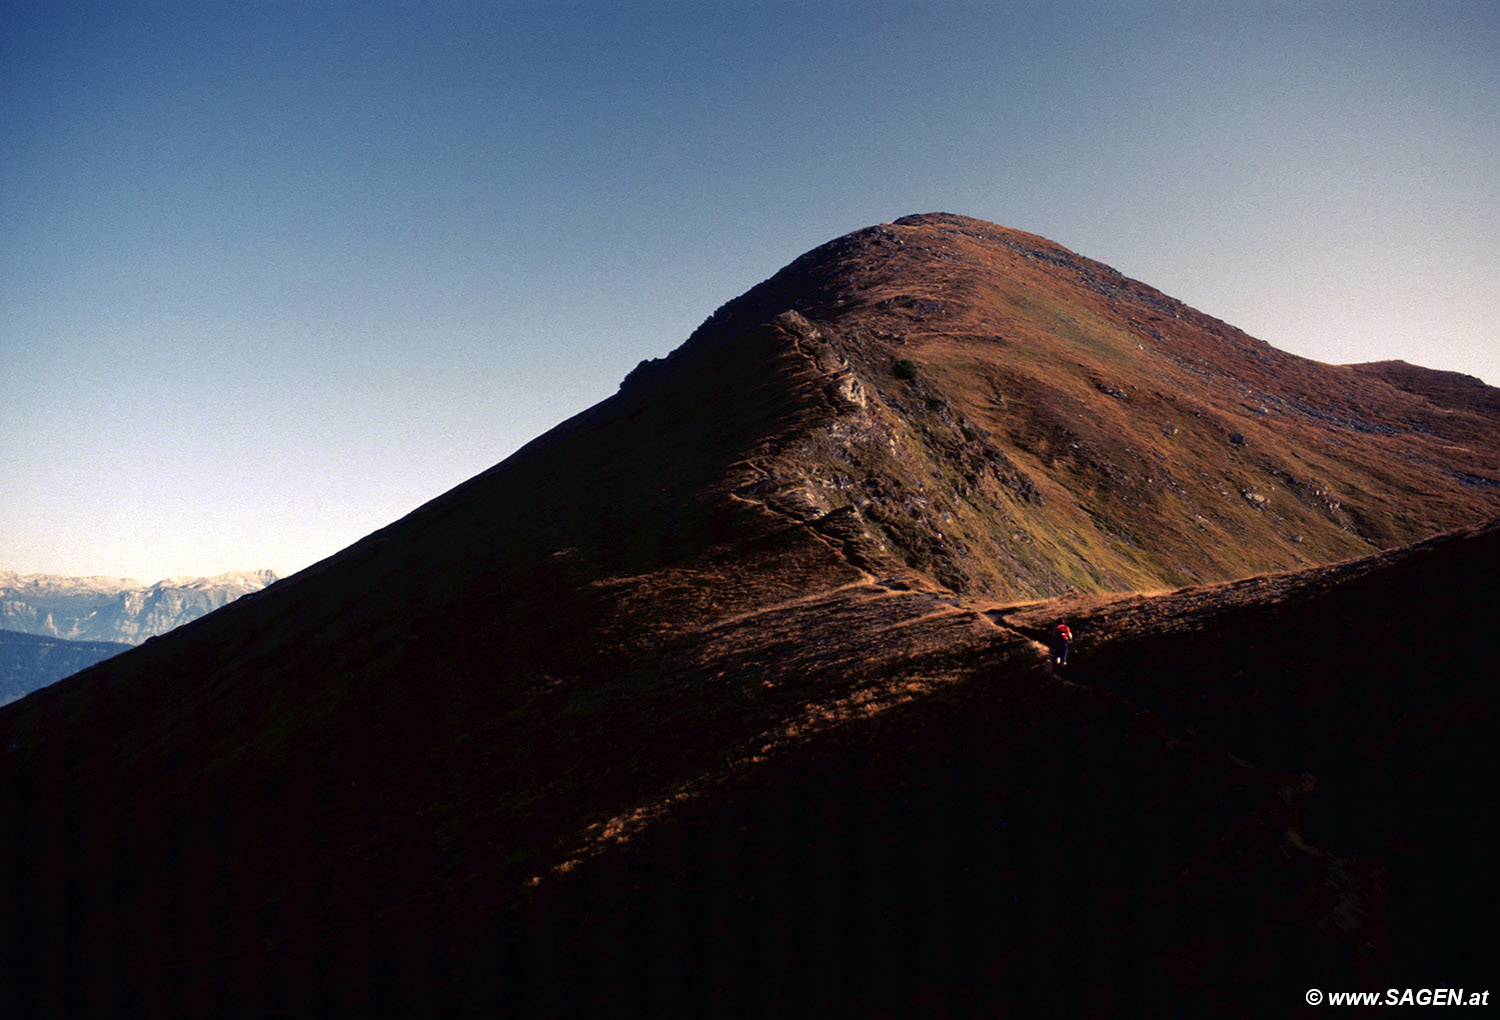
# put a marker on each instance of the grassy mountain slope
(1229, 798)
(1063, 427)
(726, 685)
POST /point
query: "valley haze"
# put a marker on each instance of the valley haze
(52, 627)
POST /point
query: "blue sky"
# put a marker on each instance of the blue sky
(274, 274)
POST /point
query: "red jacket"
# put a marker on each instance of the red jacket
(1062, 633)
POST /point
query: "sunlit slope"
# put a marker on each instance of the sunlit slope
(1062, 427)
(783, 558)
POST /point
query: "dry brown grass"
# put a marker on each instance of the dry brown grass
(725, 691)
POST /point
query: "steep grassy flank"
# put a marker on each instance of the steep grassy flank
(705, 693)
(1037, 422)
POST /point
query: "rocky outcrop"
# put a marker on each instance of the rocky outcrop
(1015, 419)
(115, 609)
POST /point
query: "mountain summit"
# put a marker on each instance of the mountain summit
(1079, 430)
(724, 695)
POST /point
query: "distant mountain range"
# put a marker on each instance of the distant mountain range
(728, 696)
(115, 609)
(29, 661)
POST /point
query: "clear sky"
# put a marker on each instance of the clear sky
(274, 274)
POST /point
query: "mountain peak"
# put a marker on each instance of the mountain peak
(115, 609)
(748, 655)
(249, 580)
(1165, 446)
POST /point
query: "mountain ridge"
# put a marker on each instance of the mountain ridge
(113, 609)
(730, 686)
(29, 662)
(1209, 455)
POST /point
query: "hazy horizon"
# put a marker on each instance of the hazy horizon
(276, 274)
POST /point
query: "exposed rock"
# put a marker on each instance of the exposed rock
(847, 393)
(115, 609)
(795, 323)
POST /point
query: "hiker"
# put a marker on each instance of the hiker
(1061, 638)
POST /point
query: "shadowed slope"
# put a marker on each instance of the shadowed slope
(1226, 801)
(1374, 676)
(719, 661)
(439, 713)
